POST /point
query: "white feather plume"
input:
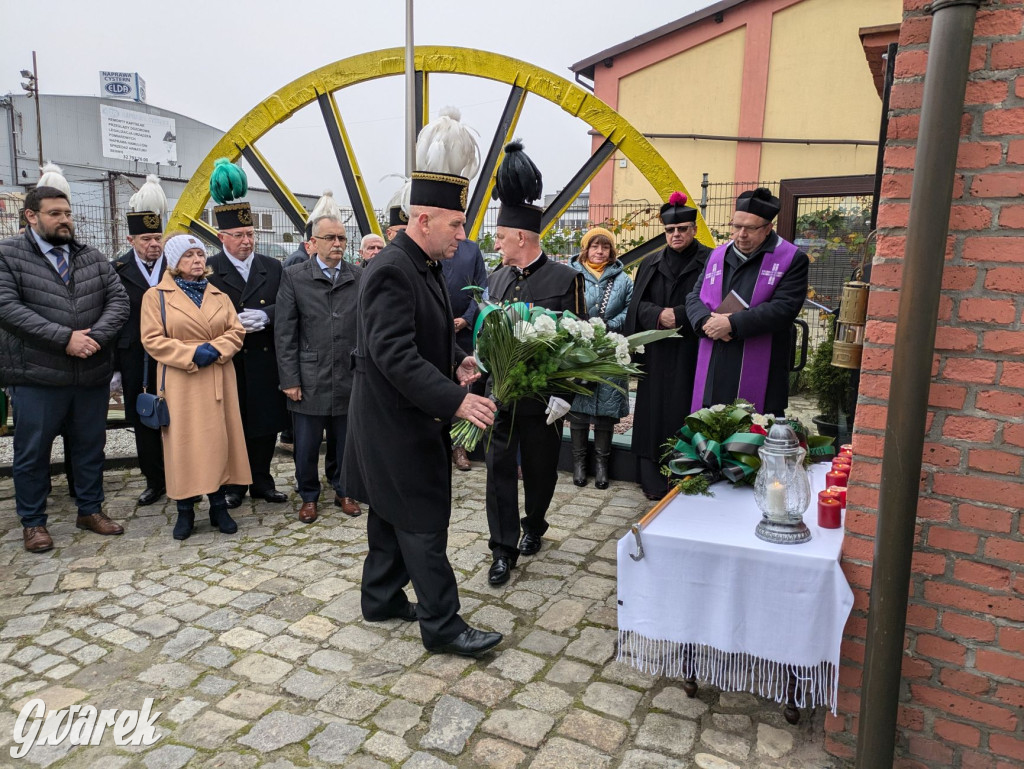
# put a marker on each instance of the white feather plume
(401, 196)
(150, 197)
(53, 176)
(326, 206)
(446, 146)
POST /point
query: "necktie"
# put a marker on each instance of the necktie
(149, 266)
(62, 264)
(332, 273)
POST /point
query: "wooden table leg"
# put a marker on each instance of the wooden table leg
(791, 711)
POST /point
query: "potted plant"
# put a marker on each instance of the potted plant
(830, 386)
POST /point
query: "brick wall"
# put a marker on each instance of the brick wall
(962, 696)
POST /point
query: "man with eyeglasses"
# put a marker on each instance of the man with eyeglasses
(663, 394)
(61, 308)
(252, 281)
(315, 332)
(743, 307)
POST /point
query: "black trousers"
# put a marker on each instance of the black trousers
(537, 445)
(395, 558)
(150, 449)
(309, 434)
(648, 472)
(260, 449)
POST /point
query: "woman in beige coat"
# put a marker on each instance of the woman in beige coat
(204, 447)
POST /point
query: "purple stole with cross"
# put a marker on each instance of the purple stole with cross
(757, 350)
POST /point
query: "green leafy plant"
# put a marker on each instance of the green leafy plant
(829, 385)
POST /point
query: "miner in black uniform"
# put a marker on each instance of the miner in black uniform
(251, 281)
(408, 385)
(663, 394)
(140, 269)
(527, 275)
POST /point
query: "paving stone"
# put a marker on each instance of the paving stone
(558, 753)
(211, 730)
(591, 729)
(304, 683)
(230, 761)
(215, 685)
(277, 729)
(246, 578)
(350, 702)
(241, 638)
(156, 626)
(627, 675)
(168, 757)
(355, 639)
(311, 626)
(730, 745)
(517, 665)
(496, 754)
(615, 700)
(330, 660)
(710, 761)
(421, 760)
(214, 657)
(737, 701)
(562, 615)
(328, 588)
(594, 645)
(248, 601)
(185, 710)
(773, 742)
(336, 742)
(398, 717)
(261, 669)
(217, 596)
(569, 672)
(731, 722)
(46, 583)
(543, 643)
(173, 675)
(186, 640)
(522, 726)
(221, 619)
(19, 627)
(264, 623)
(451, 725)
(543, 697)
(247, 703)
(418, 688)
(676, 700)
(288, 647)
(110, 579)
(389, 747)
(645, 759)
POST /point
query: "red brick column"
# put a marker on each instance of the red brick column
(962, 696)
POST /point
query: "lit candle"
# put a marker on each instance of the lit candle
(837, 478)
(837, 491)
(846, 450)
(829, 510)
(776, 498)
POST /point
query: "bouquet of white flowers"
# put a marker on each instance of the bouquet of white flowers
(534, 352)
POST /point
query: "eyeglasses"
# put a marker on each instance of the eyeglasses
(332, 238)
(748, 227)
(57, 214)
(240, 235)
(669, 229)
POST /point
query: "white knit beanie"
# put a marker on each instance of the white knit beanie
(178, 245)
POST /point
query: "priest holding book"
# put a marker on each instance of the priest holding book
(743, 308)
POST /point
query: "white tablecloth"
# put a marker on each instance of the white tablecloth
(752, 612)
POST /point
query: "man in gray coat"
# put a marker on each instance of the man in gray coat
(61, 308)
(314, 333)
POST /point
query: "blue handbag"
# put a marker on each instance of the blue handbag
(152, 408)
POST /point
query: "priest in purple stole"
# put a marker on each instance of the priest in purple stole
(743, 309)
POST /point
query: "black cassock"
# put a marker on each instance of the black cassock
(663, 394)
(773, 317)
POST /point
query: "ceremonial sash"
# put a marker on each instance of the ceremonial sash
(757, 350)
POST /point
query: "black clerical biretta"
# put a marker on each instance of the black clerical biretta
(759, 202)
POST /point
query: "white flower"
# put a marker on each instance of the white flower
(525, 331)
(640, 349)
(586, 330)
(570, 326)
(617, 339)
(622, 353)
(718, 408)
(597, 323)
(545, 327)
(760, 420)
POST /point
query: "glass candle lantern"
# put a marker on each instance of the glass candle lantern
(782, 490)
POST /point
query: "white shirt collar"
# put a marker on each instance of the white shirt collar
(44, 245)
(242, 265)
(151, 277)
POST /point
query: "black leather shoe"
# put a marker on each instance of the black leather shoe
(273, 495)
(469, 643)
(500, 570)
(150, 495)
(232, 499)
(529, 544)
(406, 614)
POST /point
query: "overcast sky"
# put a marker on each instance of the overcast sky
(215, 61)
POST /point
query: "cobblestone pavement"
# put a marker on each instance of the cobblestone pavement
(255, 652)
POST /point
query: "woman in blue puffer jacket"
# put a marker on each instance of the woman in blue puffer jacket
(608, 290)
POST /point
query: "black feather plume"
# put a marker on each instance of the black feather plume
(517, 180)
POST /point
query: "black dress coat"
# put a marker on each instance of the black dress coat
(262, 403)
(315, 332)
(773, 317)
(128, 352)
(404, 391)
(664, 392)
(545, 283)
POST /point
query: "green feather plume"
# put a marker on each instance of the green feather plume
(227, 182)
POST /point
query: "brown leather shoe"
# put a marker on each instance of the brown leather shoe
(37, 539)
(461, 458)
(99, 523)
(348, 506)
(307, 513)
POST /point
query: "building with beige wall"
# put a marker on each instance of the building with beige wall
(712, 90)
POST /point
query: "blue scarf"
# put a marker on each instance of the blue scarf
(193, 289)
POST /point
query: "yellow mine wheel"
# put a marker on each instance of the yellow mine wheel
(320, 85)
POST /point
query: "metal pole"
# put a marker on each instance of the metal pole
(704, 196)
(883, 131)
(410, 93)
(931, 195)
(39, 120)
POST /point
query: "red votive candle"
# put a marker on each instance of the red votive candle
(829, 510)
(842, 462)
(837, 491)
(846, 450)
(837, 478)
